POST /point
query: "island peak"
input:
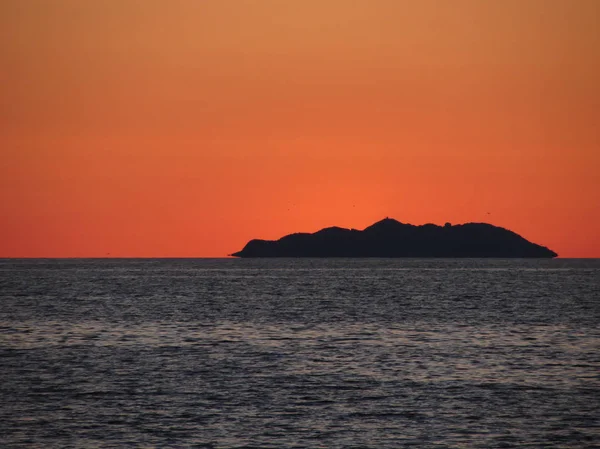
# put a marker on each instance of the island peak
(392, 238)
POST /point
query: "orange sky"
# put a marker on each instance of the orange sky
(185, 128)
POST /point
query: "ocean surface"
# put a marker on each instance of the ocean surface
(288, 353)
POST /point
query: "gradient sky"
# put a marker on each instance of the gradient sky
(185, 128)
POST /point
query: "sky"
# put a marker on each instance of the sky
(185, 128)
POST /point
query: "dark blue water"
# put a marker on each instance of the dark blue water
(300, 353)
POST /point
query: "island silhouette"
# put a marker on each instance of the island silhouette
(391, 238)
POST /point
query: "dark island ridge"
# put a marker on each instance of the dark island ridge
(391, 238)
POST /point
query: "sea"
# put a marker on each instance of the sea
(299, 353)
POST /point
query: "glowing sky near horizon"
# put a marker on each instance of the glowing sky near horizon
(185, 128)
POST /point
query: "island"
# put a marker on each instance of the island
(391, 238)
